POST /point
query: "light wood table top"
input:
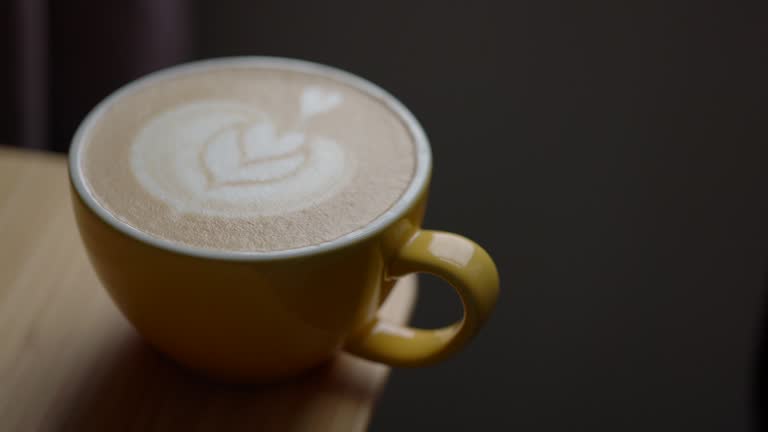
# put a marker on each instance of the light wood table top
(70, 362)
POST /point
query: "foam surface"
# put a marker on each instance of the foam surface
(247, 159)
(227, 159)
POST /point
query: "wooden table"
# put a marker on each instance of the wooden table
(70, 362)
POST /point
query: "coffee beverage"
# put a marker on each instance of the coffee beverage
(241, 156)
(249, 215)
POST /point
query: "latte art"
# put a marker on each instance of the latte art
(230, 159)
(246, 156)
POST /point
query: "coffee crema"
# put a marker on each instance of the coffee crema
(246, 157)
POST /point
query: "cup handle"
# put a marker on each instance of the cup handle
(460, 262)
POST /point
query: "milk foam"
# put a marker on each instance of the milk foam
(229, 159)
(247, 157)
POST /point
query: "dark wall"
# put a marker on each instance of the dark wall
(611, 156)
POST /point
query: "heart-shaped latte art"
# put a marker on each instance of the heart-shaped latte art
(252, 153)
(316, 100)
(227, 158)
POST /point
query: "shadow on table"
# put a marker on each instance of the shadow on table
(138, 389)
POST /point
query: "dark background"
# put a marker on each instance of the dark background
(610, 155)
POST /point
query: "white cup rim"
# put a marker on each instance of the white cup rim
(386, 219)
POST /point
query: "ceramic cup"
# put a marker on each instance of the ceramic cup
(260, 316)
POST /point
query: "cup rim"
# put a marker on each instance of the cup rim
(393, 214)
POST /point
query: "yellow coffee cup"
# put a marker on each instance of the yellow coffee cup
(267, 315)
